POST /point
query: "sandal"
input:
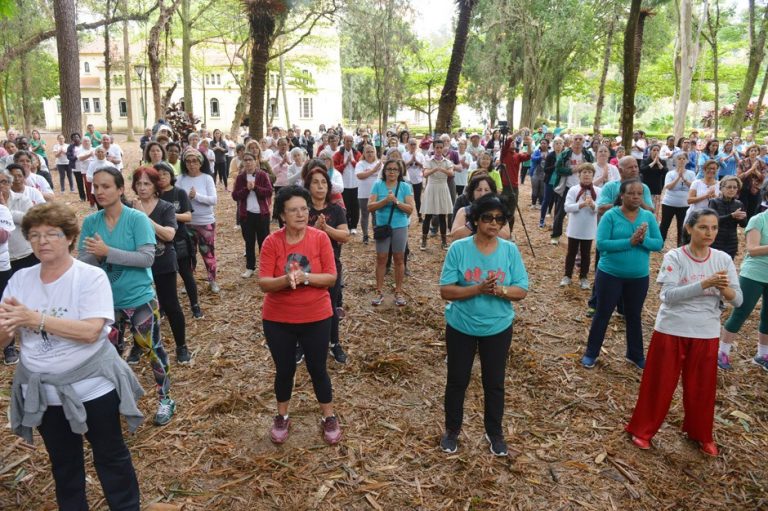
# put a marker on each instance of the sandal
(378, 300)
(400, 301)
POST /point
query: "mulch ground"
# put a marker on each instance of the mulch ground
(564, 424)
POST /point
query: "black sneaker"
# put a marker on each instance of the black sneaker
(498, 445)
(299, 354)
(134, 355)
(182, 354)
(196, 312)
(11, 355)
(365, 240)
(338, 353)
(450, 441)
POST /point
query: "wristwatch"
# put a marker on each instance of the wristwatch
(306, 278)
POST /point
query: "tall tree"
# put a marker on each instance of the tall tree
(450, 89)
(127, 74)
(711, 36)
(110, 10)
(153, 54)
(756, 54)
(69, 65)
(689, 55)
(604, 74)
(425, 75)
(630, 79)
(759, 104)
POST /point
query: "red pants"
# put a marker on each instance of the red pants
(89, 191)
(668, 356)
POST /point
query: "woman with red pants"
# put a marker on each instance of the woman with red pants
(694, 278)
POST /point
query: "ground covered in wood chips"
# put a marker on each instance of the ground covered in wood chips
(563, 424)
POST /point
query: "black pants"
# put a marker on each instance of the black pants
(80, 182)
(557, 224)
(417, 196)
(751, 202)
(667, 213)
(188, 276)
(574, 246)
(282, 339)
(493, 351)
(335, 292)
(353, 208)
(221, 171)
(65, 171)
(25, 262)
(441, 220)
(168, 298)
(255, 229)
(459, 190)
(111, 457)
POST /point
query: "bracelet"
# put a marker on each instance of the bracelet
(41, 326)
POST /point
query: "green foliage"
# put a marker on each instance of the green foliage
(424, 79)
(44, 84)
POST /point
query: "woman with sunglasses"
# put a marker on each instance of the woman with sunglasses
(481, 276)
(392, 200)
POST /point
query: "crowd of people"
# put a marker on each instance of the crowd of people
(299, 198)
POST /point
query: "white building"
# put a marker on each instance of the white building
(214, 90)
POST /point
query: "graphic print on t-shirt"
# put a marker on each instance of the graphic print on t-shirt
(297, 262)
(48, 344)
(475, 275)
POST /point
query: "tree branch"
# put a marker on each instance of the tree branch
(318, 17)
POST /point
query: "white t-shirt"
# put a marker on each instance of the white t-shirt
(613, 173)
(6, 223)
(460, 176)
(701, 189)
(61, 160)
(574, 161)
(582, 222)
(348, 176)
(698, 316)
(83, 292)
(97, 164)
(252, 202)
(19, 204)
(115, 152)
(82, 165)
(415, 173)
(365, 184)
(38, 182)
(640, 151)
(678, 196)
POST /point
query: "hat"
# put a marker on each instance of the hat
(189, 151)
(474, 135)
(425, 142)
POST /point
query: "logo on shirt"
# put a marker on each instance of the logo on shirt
(475, 275)
(297, 262)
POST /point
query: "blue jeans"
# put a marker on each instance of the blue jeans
(609, 290)
(549, 192)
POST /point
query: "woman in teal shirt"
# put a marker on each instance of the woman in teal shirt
(392, 200)
(481, 276)
(626, 235)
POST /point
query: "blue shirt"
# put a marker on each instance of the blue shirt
(703, 159)
(482, 315)
(727, 166)
(618, 257)
(399, 218)
(610, 192)
(131, 286)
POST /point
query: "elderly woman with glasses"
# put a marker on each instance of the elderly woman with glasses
(482, 275)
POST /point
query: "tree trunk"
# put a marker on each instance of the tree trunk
(262, 27)
(511, 94)
(448, 96)
(240, 108)
(630, 80)
(153, 55)
(3, 112)
(603, 77)
(493, 113)
(186, 56)
(429, 108)
(557, 109)
(127, 70)
(108, 71)
(759, 106)
(26, 107)
(756, 54)
(689, 54)
(271, 111)
(69, 66)
(285, 92)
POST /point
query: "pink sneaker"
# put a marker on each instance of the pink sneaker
(279, 430)
(331, 430)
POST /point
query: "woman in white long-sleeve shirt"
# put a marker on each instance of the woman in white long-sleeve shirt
(202, 192)
(581, 206)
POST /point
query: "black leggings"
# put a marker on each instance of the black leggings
(667, 213)
(313, 339)
(417, 196)
(111, 457)
(493, 364)
(255, 229)
(353, 207)
(64, 170)
(168, 297)
(583, 246)
(188, 276)
(441, 220)
(335, 292)
(80, 182)
(221, 170)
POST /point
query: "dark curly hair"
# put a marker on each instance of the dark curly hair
(485, 204)
(286, 193)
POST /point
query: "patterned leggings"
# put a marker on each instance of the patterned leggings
(144, 322)
(204, 239)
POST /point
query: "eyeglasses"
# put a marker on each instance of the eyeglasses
(248, 159)
(192, 160)
(392, 169)
(296, 211)
(488, 218)
(37, 237)
(726, 187)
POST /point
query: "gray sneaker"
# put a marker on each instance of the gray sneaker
(761, 361)
(135, 354)
(11, 355)
(450, 441)
(182, 354)
(165, 411)
(214, 287)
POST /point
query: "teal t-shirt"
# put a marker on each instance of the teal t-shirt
(618, 257)
(610, 192)
(465, 265)
(399, 218)
(131, 286)
(756, 268)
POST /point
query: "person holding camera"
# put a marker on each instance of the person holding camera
(512, 159)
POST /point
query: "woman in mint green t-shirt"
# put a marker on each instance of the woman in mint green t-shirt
(481, 276)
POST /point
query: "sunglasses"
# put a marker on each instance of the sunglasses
(487, 218)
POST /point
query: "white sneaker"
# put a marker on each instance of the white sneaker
(554, 241)
(565, 282)
(247, 274)
(584, 283)
(214, 287)
(353, 232)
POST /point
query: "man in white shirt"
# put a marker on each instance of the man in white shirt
(113, 152)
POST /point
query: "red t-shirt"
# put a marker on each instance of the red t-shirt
(313, 254)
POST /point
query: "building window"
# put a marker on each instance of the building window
(207, 79)
(306, 77)
(86, 67)
(58, 105)
(218, 79)
(215, 107)
(305, 108)
(86, 105)
(273, 80)
(97, 105)
(273, 111)
(181, 104)
(122, 107)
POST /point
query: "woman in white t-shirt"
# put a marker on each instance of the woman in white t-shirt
(70, 381)
(367, 172)
(702, 190)
(677, 187)
(581, 206)
(604, 171)
(695, 279)
(62, 163)
(7, 228)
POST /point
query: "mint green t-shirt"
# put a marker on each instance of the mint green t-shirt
(465, 265)
(131, 286)
(756, 268)
(399, 218)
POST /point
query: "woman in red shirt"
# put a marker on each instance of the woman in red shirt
(296, 268)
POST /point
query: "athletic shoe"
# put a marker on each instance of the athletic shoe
(299, 354)
(724, 361)
(331, 429)
(378, 300)
(365, 240)
(639, 364)
(591, 311)
(640, 443)
(338, 353)
(565, 282)
(135, 354)
(353, 232)
(584, 284)
(554, 241)
(278, 433)
(423, 245)
(761, 361)
(11, 355)
(708, 448)
(196, 312)
(165, 411)
(341, 313)
(450, 441)
(215, 289)
(182, 354)
(497, 445)
(541, 225)
(444, 245)
(247, 274)
(588, 362)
